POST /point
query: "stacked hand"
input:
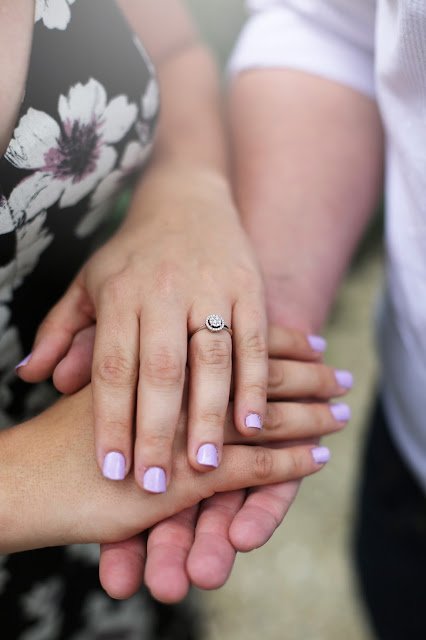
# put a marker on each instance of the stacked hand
(168, 267)
(199, 544)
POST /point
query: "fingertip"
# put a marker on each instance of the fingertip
(207, 456)
(154, 480)
(114, 466)
(321, 455)
(23, 363)
(317, 343)
(210, 569)
(170, 587)
(341, 411)
(120, 572)
(247, 534)
(253, 420)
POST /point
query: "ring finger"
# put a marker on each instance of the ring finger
(210, 365)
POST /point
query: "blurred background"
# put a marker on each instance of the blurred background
(301, 585)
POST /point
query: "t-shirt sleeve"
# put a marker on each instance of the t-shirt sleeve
(330, 38)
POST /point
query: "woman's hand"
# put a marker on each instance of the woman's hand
(54, 493)
(180, 255)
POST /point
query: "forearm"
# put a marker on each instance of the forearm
(38, 476)
(307, 162)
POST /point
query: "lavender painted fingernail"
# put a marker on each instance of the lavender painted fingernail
(24, 361)
(321, 454)
(207, 455)
(341, 411)
(114, 466)
(253, 420)
(154, 480)
(344, 378)
(317, 343)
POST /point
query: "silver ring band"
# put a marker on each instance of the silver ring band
(213, 323)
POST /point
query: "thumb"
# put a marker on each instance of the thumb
(73, 312)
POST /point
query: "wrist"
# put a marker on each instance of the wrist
(183, 189)
(40, 505)
(292, 303)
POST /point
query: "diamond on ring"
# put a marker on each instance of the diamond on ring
(215, 322)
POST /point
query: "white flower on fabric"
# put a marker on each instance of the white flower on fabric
(10, 355)
(151, 99)
(31, 240)
(128, 619)
(43, 605)
(70, 158)
(55, 14)
(133, 158)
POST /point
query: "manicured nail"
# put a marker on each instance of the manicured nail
(344, 378)
(114, 466)
(341, 411)
(321, 454)
(24, 361)
(253, 420)
(154, 480)
(207, 454)
(317, 343)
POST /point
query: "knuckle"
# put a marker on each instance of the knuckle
(215, 418)
(275, 419)
(116, 429)
(114, 288)
(248, 278)
(276, 377)
(294, 464)
(163, 368)
(158, 441)
(254, 346)
(318, 378)
(117, 371)
(216, 353)
(167, 279)
(256, 389)
(262, 463)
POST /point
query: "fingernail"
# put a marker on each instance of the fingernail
(321, 454)
(253, 420)
(344, 378)
(154, 480)
(24, 361)
(317, 343)
(341, 411)
(207, 454)
(114, 466)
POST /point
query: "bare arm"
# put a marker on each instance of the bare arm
(308, 162)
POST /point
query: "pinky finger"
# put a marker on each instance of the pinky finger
(249, 466)
(293, 344)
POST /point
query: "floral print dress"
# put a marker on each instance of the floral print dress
(85, 128)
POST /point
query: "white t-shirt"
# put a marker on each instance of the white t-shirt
(377, 47)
